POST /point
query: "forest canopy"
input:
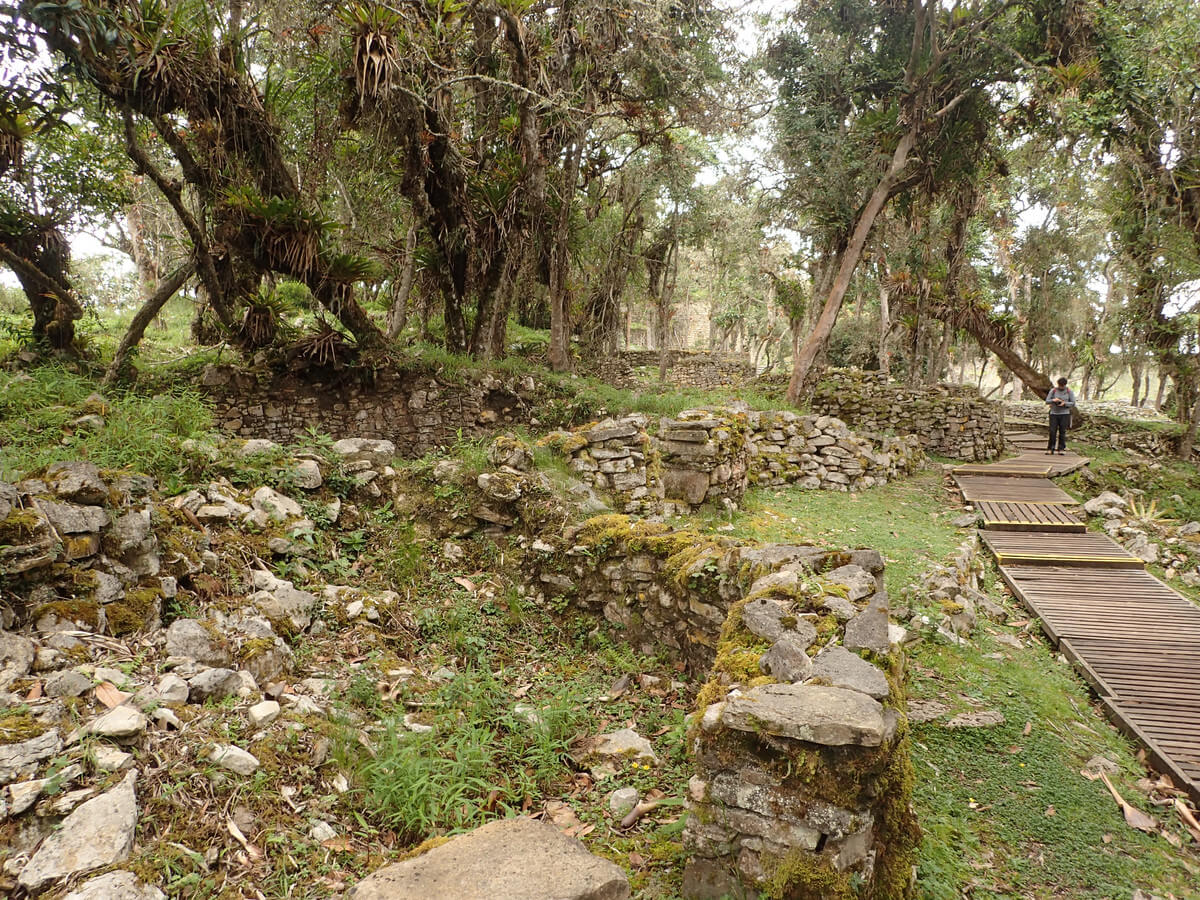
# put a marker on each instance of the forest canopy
(904, 185)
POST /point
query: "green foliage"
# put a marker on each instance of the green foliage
(480, 760)
(142, 434)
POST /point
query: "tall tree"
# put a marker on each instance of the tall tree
(875, 99)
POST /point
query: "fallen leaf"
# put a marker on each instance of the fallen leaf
(1051, 811)
(337, 843)
(1173, 839)
(619, 687)
(1028, 728)
(1189, 818)
(1106, 838)
(636, 860)
(522, 690)
(107, 694)
(465, 583)
(1134, 817)
(252, 851)
(35, 692)
(562, 816)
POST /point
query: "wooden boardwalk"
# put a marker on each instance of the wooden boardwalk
(1136, 641)
(976, 488)
(1043, 517)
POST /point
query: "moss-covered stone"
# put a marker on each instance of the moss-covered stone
(133, 613)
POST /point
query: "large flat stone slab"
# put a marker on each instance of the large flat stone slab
(97, 834)
(806, 712)
(513, 859)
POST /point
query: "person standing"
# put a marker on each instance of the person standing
(1061, 399)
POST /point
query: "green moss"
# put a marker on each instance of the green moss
(804, 876)
(255, 648)
(20, 726)
(21, 526)
(84, 612)
(134, 612)
(898, 835)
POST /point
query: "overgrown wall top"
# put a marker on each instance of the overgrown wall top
(685, 368)
(418, 412)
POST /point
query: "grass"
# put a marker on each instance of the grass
(141, 433)
(1173, 483)
(907, 521)
(1004, 814)
(1008, 814)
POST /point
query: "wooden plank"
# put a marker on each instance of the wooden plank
(1135, 641)
(1002, 515)
(1059, 549)
(976, 488)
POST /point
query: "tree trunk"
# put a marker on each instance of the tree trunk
(1188, 440)
(1135, 372)
(933, 374)
(560, 263)
(40, 263)
(1034, 380)
(818, 341)
(885, 325)
(398, 313)
(165, 290)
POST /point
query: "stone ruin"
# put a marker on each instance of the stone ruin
(685, 368)
(949, 420)
(802, 781)
(713, 455)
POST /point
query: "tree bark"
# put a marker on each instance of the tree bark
(818, 341)
(165, 290)
(398, 313)
(885, 325)
(560, 263)
(1188, 440)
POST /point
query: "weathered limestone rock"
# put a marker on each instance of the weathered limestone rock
(513, 859)
(306, 474)
(857, 581)
(17, 654)
(625, 744)
(378, 453)
(235, 759)
(508, 450)
(786, 660)
(194, 640)
(78, 482)
(213, 684)
(843, 669)
(22, 758)
(121, 723)
(256, 446)
(67, 683)
(285, 604)
(820, 715)
(263, 714)
(766, 617)
(99, 833)
(275, 505)
(116, 886)
(500, 485)
(172, 689)
(68, 518)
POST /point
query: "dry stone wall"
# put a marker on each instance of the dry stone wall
(418, 412)
(802, 781)
(714, 455)
(685, 368)
(947, 420)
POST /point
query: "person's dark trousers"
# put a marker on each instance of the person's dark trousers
(1058, 425)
